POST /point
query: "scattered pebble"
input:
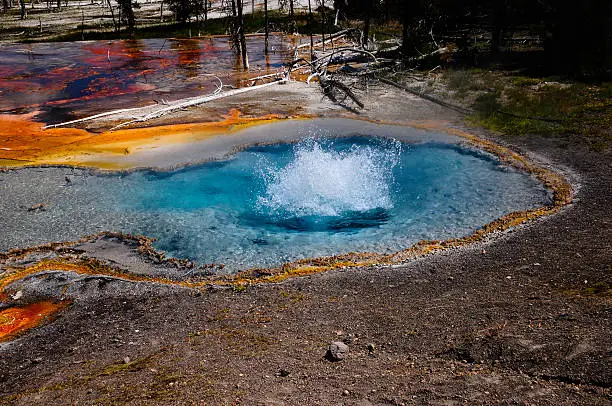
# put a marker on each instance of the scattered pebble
(17, 295)
(39, 206)
(336, 351)
(349, 339)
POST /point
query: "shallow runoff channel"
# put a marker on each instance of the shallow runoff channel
(275, 193)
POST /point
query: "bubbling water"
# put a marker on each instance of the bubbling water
(321, 181)
(271, 204)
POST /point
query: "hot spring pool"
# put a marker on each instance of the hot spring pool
(266, 205)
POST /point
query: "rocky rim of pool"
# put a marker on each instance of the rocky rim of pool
(185, 271)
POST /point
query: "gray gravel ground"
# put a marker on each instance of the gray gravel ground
(523, 318)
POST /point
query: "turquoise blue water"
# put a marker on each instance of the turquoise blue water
(271, 204)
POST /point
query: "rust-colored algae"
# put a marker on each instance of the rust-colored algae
(16, 320)
(562, 195)
(24, 142)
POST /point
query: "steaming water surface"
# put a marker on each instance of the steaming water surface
(271, 204)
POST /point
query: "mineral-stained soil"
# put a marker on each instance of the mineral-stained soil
(522, 318)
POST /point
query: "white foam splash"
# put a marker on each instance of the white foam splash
(324, 182)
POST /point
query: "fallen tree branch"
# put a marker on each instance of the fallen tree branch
(276, 75)
(319, 62)
(120, 111)
(329, 38)
(321, 66)
(108, 113)
(195, 102)
(330, 85)
(293, 63)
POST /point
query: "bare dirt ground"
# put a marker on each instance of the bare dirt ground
(523, 318)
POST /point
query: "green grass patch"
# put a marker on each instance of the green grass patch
(518, 106)
(122, 367)
(522, 81)
(599, 289)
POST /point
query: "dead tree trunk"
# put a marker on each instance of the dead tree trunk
(323, 23)
(292, 17)
(110, 7)
(310, 23)
(366, 25)
(409, 29)
(243, 48)
(406, 37)
(234, 27)
(266, 26)
(127, 13)
(499, 25)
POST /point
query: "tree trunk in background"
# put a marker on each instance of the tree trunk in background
(366, 24)
(499, 25)
(59, 5)
(205, 11)
(266, 26)
(234, 28)
(311, 24)
(292, 17)
(22, 9)
(323, 23)
(110, 7)
(5, 5)
(243, 48)
(127, 12)
(407, 40)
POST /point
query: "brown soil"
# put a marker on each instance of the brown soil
(522, 318)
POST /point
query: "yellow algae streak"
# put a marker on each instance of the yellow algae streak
(16, 320)
(24, 142)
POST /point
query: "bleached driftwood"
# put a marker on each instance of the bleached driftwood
(330, 38)
(121, 111)
(195, 102)
(108, 113)
(329, 56)
(217, 94)
(277, 75)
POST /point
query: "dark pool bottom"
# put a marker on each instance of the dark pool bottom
(270, 204)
